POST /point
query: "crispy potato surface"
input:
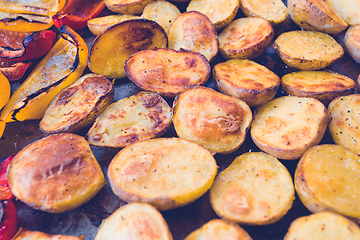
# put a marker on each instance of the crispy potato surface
(100, 24)
(138, 221)
(216, 121)
(56, 173)
(327, 179)
(352, 42)
(139, 117)
(287, 126)
(164, 172)
(245, 38)
(166, 71)
(322, 85)
(321, 49)
(245, 79)
(24, 234)
(255, 189)
(78, 105)
(347, 9)
(129, 7)
(194, 31)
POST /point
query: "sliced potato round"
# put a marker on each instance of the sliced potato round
(245, 38)
(322, 85)
(100, 24)
(242, 78)
(255, 189)
(216, 121)
(218, 229)
(327, 179)
(194, 31)
(164, 172)
(24, 234)
(220, 12)
(345, 121)
(273, 11)
(323, 226)
(347, 9)
(134, 221)
(166, 71)
(316, 15)
(132, 7)
(110, 49)
(321, 49)
(77, 106)
(162, 12)
(352, 42)
(56, 173)
(142, 116)
(287, 126)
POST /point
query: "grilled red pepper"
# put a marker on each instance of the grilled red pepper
(5, 193)
(76, 13)
(8, 223)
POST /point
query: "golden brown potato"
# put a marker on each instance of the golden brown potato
(56, 173)
(344, 126)
(242, 78)
(316, 15)
(164, 172)
(323, 226)
(273, 11)
(352, 42)
(216, 121)
(287, 126)
(327, 179)
(256, 189)
(78, 105)
(138, 221)
(194, 31)
(218, 229)
(220, 12)
(129, 7)
(347, 9)
(142, 116)
(24, 234)
(321, 49)
(245, 38)
(322, 85)
(162, 12)
(166, 71)
(100, 24)
(110, 49)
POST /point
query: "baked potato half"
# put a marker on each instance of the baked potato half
(352, 42)
(128, 7)
(24, 234)
(100, 24)
(347, 9)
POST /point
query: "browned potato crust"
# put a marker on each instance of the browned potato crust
(78, 105)
(194, 31)
(347, 9)
(100, 24)
(316, 15)
(56, 173)
(322, 85)
(242, 78)
(327, 179)
(287, 126)
(245, 38)
(132, 7)
(216, 121)
(321, 49)
(24, 234)
(352, 42)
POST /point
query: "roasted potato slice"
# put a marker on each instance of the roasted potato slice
(245, 38)
(323, 226)
(322, 85)
(195, 32)
(129, 7)
(316, 15)
(347, 9)
(164, 172)
(100, 24)
(218, 229)
(344, 126)
(327, 179)
(134, 221)
(24, 234)
(139, 117)
(321, 49)
(56, 173)
(287, 126)
(256, 189)
(110, 49)
(273, 11)
(352, 42)
(220, 12)
(78, 105)
(242, 78)
(162, 12)
(216, 121)
(166, 71)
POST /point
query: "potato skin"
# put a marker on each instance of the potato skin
(129, 7)
(352, 42)
(347, 9)
(100, 24)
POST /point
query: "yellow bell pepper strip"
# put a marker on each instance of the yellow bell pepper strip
(4, 90)
(61, 66)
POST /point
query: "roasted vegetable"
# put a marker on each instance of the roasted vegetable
(4, 98)
(8, 220)
(133, 7)
(14, 70)
(5, 193)
(24, 234)
(352, 42)
(100, 24)
(347, 9)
